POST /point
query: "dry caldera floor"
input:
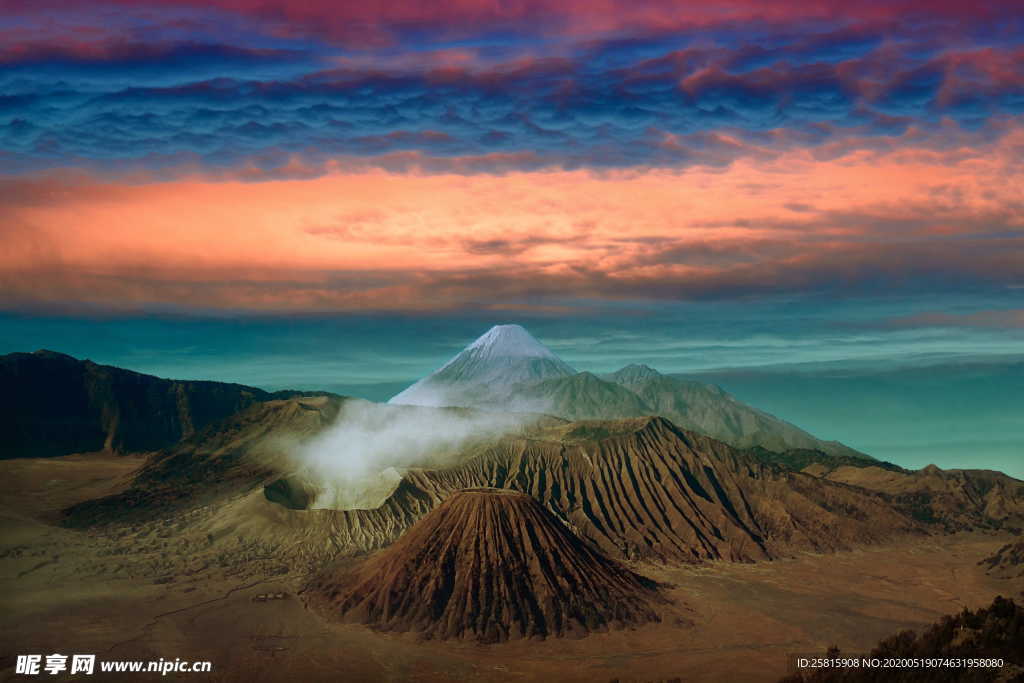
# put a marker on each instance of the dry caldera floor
(150, 592)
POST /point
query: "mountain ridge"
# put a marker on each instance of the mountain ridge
(637, 488)
(506, 368)
(62, 405)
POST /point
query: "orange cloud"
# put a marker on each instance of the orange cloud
(373, 240)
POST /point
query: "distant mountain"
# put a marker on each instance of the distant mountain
(584, 396)
(813, 461)
(507, 369)
(54, 404)
(506, 356)
(959, 499)
(710, 409)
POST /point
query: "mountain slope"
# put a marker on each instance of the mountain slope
(636, 391)
(507, 369)
(488, 565)
(644, 489)
(1007, 562)
(504, 356)
(582, 396)
(55, 404)
(227, 459)
(637, 489)
(959, 499)
(711, 410)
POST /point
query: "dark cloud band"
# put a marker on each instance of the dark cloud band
(692, 92)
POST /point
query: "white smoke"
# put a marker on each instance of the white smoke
(358, 461)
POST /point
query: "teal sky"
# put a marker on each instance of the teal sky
(900, 378)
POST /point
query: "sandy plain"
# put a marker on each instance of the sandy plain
(160, 591)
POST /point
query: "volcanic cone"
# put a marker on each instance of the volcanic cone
(489, 565)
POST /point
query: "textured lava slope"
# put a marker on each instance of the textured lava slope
(489, 565)
(637, 489)
(644, 489)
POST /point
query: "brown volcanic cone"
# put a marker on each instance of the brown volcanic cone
(489, 565)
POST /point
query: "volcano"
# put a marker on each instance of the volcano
(489, 565)
(505, 356)
(507, 369)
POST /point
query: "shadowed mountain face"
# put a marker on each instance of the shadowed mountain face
(54, 405)
(507, 369)
(488, 565)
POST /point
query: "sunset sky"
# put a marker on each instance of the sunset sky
(342, 194)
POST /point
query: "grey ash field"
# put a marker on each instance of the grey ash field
(635, 527)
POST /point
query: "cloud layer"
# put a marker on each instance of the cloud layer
(525, 156)
(493, 87)
(557, 241)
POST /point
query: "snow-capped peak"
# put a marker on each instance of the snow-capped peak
(504, 341)
(504, 356)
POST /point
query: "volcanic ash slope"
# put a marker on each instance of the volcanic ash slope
(488, 565)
